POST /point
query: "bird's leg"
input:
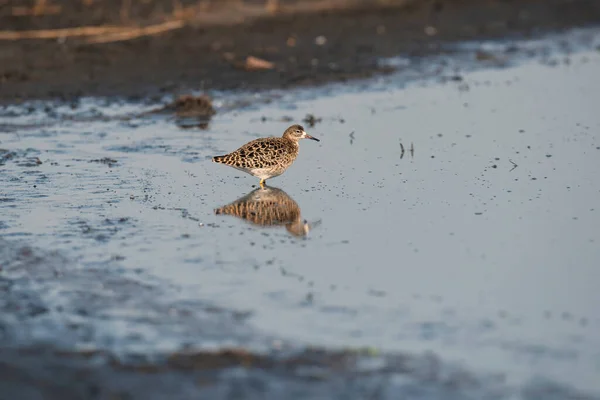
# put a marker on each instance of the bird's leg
(262, 183)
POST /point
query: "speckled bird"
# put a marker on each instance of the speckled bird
(267, 158)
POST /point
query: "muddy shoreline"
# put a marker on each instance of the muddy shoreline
(237, 374)
(58, 352)
(305, 48)
(122, 276)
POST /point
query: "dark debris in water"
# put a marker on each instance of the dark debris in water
(30, 162)
(484, 56)
(285, 118)
(190, 111)
(6, 155)
(191, 106)
(311, 120)
(101, 232)
(105, 160)
(22, 158)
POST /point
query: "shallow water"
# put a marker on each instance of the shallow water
(456, 217)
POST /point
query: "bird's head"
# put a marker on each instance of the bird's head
(296, 132)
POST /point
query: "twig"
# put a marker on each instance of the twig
(58, 33)
(137, 32)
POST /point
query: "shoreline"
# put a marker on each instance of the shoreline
(304, 50)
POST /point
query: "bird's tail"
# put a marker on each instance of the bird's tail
(219, 159)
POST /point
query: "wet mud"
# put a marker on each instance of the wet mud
(209, 52)
(439, 242)
(229, 374)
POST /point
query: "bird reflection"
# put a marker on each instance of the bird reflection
(266, 207)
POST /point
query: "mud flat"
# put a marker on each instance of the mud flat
(451, 247)
(209, 49)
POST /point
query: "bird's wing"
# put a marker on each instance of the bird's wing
(261, 153)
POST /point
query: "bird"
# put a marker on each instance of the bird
(267, 158)
(268, 207)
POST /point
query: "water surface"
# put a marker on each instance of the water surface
(457, 217)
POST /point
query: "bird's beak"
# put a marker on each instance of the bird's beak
(307, 136)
